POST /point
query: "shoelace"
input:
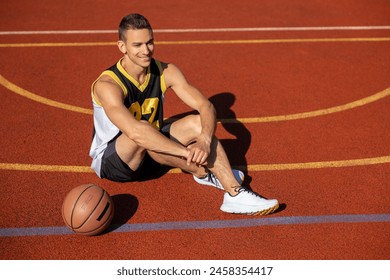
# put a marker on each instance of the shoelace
(212, 179)
(242, 189)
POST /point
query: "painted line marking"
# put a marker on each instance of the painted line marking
(214, 224)
(251, 167)
(45, 168)
(361, 102)
(202, 30)
(35, 97)
(202, 42)
(316, 113)
(275, 41)
(320, 164)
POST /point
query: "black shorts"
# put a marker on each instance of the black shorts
(114, 169)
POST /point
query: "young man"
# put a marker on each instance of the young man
(129, 130)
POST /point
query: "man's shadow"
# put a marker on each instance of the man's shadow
(236, 147)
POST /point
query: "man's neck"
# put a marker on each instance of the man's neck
(137, 72)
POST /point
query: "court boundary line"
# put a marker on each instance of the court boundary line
(206, 225)
(251, 167)
(204, 30)
(203, 42)
(295, 116)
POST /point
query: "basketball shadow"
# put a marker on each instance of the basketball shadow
(125, 206)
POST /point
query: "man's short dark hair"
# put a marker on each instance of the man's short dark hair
(134, 22)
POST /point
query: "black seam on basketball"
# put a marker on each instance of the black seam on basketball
(97, 204)
(101, 197)
(103, 212)
(96, 229)
(74, 205)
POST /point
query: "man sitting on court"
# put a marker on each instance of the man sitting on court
(129, 129)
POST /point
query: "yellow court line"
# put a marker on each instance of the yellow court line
(311, 114)
(201, 42)
(320, 164)
(62, 44)
(45, 168)
(361, 102)
(252, 167)
(25, 93)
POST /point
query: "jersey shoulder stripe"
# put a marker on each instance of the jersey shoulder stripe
(115, 78)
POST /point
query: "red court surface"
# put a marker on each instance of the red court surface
(302, 93)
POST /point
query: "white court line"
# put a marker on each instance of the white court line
(199, 30)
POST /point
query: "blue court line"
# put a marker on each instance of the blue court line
(214, 224)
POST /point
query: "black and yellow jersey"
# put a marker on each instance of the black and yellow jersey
(144, 101)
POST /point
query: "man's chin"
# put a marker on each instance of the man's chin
(145, 62)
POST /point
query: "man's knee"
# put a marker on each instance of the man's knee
(186, 129)
(129, 151)
(194, 123)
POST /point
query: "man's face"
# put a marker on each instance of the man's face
(138, 46)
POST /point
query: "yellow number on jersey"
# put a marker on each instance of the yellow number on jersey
(149, 107)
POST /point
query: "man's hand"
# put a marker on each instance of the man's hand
(199, 151)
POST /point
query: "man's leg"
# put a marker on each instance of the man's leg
(129, 152)
(132, 154)
(121, 168)
(185, 131)
(237, 199)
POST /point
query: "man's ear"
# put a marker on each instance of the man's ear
(122, 46)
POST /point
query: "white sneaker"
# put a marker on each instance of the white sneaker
(211, 180)
(248, 202)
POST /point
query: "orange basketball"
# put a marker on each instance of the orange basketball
(88, 209)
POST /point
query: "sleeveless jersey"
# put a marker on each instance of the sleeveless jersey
(144, 101)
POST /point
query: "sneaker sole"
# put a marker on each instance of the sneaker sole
(257, 213)
(266, 211)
